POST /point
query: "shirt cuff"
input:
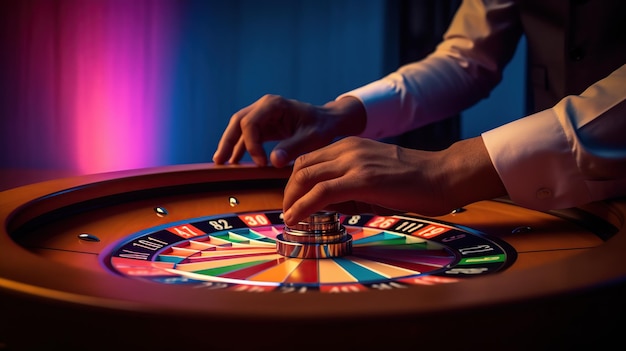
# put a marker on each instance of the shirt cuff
(380, 99)
(536, 164)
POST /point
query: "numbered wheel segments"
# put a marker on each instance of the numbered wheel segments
(238, 252)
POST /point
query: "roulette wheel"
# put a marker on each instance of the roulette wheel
(198, 256)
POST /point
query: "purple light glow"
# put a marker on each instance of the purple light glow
(117, 61)
(93, 77)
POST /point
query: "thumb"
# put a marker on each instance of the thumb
(279, 157)
(289, 149)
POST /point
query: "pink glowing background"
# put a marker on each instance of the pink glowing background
(112, 86)
(88, 80)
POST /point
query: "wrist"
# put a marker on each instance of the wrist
(468, 174)
(347, 114)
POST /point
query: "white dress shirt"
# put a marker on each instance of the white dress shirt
(573, 149)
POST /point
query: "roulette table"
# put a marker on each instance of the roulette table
(190, 256)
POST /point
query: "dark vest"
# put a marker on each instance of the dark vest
(571, 45)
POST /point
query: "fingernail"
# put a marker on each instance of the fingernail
(286, 215)
(281, 156)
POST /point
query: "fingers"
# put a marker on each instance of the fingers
(245, 133)
(289, 149)
(300, 128)
(238, 151)
(269, 118)
(252, 137)
(230, 138)
(320, 195)
(279, 157)
(303, 141)
(315, 186)
(349, 170)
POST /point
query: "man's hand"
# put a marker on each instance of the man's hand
(299, 126)
(353, 171)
